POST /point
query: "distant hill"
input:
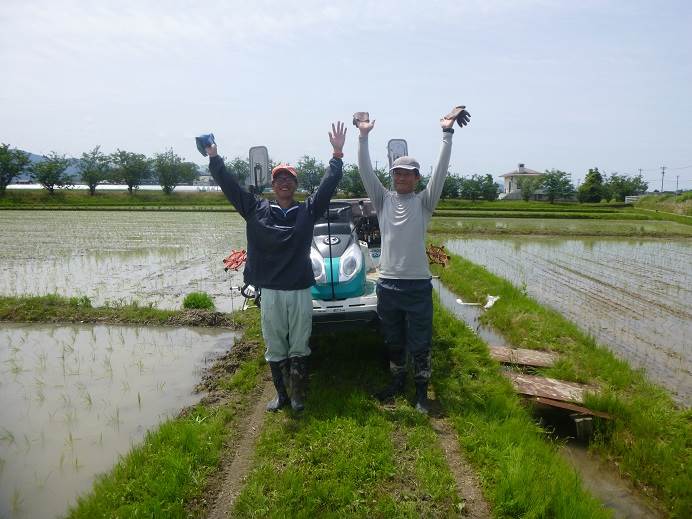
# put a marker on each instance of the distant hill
(72, 169)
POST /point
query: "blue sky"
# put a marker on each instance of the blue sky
(567, 85)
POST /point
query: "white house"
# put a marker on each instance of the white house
(512, 178)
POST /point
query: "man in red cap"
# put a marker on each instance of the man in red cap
(279, 236)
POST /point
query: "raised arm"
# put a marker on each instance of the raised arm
(243, 201)
(432, 192)
(372, 184)
(319, 201)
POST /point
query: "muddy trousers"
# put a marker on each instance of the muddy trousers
(405, 310)
(286, 317)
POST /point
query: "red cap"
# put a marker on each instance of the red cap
(284, 167)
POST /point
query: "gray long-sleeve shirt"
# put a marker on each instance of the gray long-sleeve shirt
(404, 219)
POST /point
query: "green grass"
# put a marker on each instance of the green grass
(81, 198)
(244, 379)
(65, 199)
(680, 204)
(520, 205)
(557, 227)
(518, 463)
(168, 469)
(650, 438)
(573, 215)
(53, 308)
(198, 300)
(655, 214)
(349, 456)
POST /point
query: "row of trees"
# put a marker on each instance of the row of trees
(554, 184)
(597, 187)
(310, 173)
(133, 169)
(95, 167)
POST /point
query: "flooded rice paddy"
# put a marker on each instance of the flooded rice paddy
(74, 398)
(574, 227)
(120, 256)
(634, 296)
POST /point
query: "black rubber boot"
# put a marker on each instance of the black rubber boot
(281, 398)
(394, 389)
(299, 378)
(422, 404)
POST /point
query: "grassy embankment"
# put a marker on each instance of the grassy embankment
(673, 204)
(69, 199)
(165, 476)
(503, 226)
(347, 455)
(650, 439)
(56, 309)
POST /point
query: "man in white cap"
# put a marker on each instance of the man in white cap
(404, 289)
(279, 236)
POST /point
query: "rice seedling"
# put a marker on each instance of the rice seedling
(71, 417)
(17, 502)
(66, 400)
(7, 436)
(40, 482)
(114, 420)
(27, 443)
(16, 368)
(69, 441)
(40, 390)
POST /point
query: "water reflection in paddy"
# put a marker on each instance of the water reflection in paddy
(118, 256)
(633, 295)
(74, 398)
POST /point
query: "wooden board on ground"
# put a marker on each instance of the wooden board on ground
(551, 388)
(570, 407)
(523, 357)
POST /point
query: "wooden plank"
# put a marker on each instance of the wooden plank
(549, 387)
(523, 357)
(571, 407)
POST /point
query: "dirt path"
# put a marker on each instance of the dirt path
(467, 483)
(236, 466)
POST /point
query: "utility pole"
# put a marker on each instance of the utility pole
(677, 178)
(663, 174)
(640, 172)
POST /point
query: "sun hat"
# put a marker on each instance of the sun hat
(284, 167)
(405, 162)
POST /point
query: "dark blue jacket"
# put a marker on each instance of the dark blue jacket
(278, 241)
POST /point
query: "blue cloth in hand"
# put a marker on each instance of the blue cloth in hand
(203, 141)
